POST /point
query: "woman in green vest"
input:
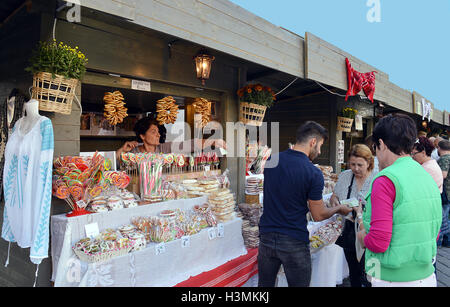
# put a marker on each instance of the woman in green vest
(402, 217)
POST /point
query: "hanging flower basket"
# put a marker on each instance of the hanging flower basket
(344, 124)
(252, 114)
(57, 69)
(255, 99)
(54, 94)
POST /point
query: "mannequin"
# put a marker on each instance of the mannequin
(32, 116)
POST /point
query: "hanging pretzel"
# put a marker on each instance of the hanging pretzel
(167, 110)
(114, 110)
(202, 106)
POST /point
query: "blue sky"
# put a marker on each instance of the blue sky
(411, 43)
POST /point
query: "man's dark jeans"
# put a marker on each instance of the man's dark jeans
(276, 249)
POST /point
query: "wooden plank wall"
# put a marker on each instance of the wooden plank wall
(400, 98)
(122, 8)
(438, 116)
(292, 114)
(224, 26)
(325, 63)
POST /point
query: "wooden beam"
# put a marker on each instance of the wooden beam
(26, 3)
(261, 74)
(302, 96)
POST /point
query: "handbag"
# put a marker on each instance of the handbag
(347, 238)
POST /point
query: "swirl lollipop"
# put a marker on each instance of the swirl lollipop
(76, 192)
(181, 161)
(107, 164)
(62, 192)
(96, 191)
(123, 181)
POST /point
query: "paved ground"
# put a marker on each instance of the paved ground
(443, 267)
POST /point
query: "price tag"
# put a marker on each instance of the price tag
(207, 168)
(81, 204)
(220, 230)
(92, 230)
(160, 248)
(212, 233)
(185, 241)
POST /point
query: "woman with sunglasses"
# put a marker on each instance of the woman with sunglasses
(403, 212)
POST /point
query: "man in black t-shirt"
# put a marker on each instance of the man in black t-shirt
(289, 187)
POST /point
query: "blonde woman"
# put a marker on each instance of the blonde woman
(354, 183)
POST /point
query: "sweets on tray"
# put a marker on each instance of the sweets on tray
(107, 245)
(326, 232)
(250, 213)
(222, 205)
(250, 234)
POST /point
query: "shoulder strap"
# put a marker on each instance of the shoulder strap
(350, 187)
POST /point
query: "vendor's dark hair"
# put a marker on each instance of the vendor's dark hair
(143, 125)
(398, 132)
(311, 130)
(424, 144)
(444, 145)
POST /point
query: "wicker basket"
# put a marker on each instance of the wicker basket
(100, 257)
(344, 124)
(251, 198)
(252, 114)
(54, 94)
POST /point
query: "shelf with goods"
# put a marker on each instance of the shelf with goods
(174, 218)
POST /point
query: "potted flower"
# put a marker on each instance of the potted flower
(345, 121)
(255, 99)
(57, 68)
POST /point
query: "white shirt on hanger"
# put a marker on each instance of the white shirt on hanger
(27, 183)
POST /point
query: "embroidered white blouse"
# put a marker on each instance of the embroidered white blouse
(27, 183)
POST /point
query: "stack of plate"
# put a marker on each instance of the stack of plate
(254, 185)
(250, 234)
(222, 205)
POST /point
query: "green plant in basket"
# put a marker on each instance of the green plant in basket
(257, 94)
(58, 59)
(349, 113)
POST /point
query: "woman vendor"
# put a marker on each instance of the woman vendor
(148, 133)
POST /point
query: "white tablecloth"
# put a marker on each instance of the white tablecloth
(329, 268)
(142, 268)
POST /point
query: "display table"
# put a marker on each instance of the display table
(329, 268)
(146, 267)
(234, 273)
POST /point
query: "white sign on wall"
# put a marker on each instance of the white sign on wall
(341, 151)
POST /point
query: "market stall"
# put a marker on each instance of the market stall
(115, 237)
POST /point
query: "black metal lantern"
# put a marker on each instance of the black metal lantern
(203, 63)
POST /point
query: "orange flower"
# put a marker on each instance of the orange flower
(249, 90)
(259, 88)
(240, 92)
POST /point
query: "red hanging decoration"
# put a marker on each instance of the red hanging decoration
(360, 81)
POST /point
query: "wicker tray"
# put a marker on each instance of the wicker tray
(54, 94)
(100, 257)
(251, 114)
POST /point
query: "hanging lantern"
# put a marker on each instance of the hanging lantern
(203, 63)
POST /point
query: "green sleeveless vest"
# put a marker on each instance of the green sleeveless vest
(417, 218)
